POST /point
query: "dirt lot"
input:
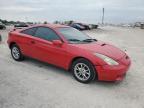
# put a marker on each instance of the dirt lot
(33, 84)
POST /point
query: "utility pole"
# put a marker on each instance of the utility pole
(103, 12)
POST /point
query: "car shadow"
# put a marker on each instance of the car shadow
(61, 71)
(47, 66)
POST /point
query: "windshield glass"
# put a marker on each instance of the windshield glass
(74, 36)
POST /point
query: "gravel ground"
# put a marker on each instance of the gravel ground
(33, 84)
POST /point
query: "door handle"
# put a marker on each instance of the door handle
(33, 42)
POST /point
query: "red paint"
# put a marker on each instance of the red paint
(61, 53)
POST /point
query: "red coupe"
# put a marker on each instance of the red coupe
(68, 48)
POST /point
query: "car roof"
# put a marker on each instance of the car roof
(51, 25)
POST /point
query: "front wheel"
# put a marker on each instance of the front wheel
(16, 53)
(83, 71)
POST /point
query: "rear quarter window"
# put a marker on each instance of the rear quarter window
(30, 31)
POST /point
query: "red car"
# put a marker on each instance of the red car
(70, 49)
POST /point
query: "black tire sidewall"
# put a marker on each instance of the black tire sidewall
(91, 67)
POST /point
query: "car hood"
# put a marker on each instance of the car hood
(102, 48)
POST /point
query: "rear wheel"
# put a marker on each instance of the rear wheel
(16, 53)
(83, 71)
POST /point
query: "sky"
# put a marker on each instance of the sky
(88, 11)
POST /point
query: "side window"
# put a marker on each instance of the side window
(30, 31)
(46, 33)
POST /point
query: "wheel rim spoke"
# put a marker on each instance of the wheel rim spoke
(82, 71)
(15, 53)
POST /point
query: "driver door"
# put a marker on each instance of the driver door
(45, 50)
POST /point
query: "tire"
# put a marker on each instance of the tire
(16, 53)
(85, 74)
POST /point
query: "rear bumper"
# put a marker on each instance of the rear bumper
(113, 73)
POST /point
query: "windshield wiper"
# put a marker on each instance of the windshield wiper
(86, 40)
(89, 40)
(74, 40)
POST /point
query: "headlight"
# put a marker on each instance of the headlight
(108, 60)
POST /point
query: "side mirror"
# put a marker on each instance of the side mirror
(57, 43)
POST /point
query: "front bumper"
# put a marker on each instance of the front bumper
(114, 73)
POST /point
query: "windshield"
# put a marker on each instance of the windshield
(74, 36)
